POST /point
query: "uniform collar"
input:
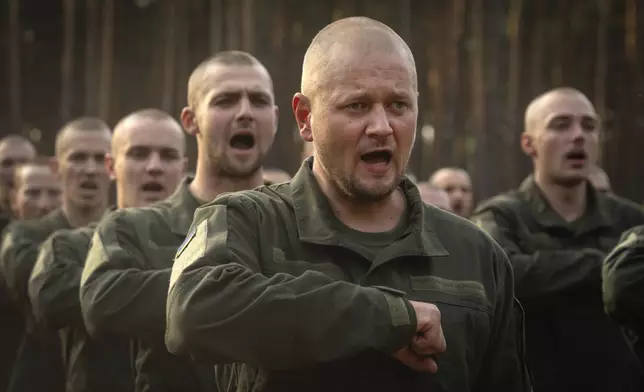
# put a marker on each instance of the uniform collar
(182, 204)
(312, 210)
(593, 218)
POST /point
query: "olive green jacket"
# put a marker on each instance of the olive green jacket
(92, 365)
(557, 269)
(266, 283)
(125, 282)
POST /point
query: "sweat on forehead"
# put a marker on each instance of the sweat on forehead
(544, 104)
(354, 35)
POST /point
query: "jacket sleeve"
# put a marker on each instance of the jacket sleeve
(505, 366)
(118, 293)
(222, 309)
(18, 255)
(623, 280)
(55, 280)
(541, 272)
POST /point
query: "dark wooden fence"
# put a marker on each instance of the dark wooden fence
(479, 63)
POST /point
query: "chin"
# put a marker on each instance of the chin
(571, 181)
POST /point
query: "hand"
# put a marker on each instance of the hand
(429, 339)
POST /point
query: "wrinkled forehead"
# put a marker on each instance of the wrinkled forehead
(353, 68)
(221, 78)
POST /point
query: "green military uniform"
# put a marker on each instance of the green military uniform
(38, 365)
(125, 282)
(572, 345)
(92, 365)
(272, 283)
(623, 285)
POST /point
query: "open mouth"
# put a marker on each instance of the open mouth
(242, 141)
(152, 186)
(576, 155)
(377, 157)
(89, 185)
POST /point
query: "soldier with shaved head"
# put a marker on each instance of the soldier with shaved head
(147, 162)
(81, 146)
(458, 185)
(343, 279)
(14, 150)
(556, 229)
(231, 112)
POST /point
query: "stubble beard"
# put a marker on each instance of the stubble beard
(225, 167)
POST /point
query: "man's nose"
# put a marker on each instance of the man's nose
(379, 125)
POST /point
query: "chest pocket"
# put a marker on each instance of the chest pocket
(465, 316)
(280, 264)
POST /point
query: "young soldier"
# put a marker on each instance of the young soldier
(81, 146)
(232, 113)
(343, 279)
(147, 162)
(458, 185)
(556, 229)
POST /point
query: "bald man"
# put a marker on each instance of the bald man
(231, 112)
(36, 189)
(458, 185)
(147, 162)
(343, 279)
(435, 196)
(81, 146)
(14, 150)
(556, 229)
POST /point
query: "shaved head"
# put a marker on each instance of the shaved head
(198, 79)
(435, 196)
(458, 185)
(139, 118)
(356, 36)
(542, 106)
(79, 125)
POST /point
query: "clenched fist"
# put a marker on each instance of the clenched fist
(429, 340)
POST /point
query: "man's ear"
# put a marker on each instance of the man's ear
(109, 166)
(527, 144)
(189, 121)
(302, 111)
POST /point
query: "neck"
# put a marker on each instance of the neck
(568, 202)
(206, 186)
(82, 216)
(369, 217)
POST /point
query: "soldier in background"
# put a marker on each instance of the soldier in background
(458, 185)
(231, 111)
(35, 192)
(14, 150)
(147, 162)
(81, 146)
(556, 229)
(435, 196)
